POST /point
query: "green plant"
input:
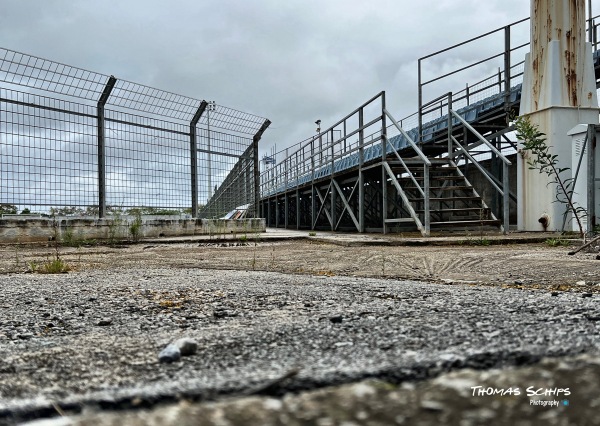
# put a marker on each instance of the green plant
(556, 242)
(541, 159)
(135, 229)
(312, 234)
(480, 242)
(54, 266)
(243, 238)
(114, 226)
(68, 238)
(475, 242)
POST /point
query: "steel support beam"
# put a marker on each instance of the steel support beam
(194, 157)
(110, 84)
(346, 206)
(361, 176)
(255, 141)
(322, 209)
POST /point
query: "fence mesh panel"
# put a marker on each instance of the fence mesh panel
(65, 130)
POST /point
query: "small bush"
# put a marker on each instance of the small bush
(312, 234)
(56, 266)
(135, 229)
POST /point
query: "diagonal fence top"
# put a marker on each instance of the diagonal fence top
(45, 75)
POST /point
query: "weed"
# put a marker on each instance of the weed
(55, 266)
(114, 227)
(312, 234)
(135, 229)
(481, 242)
(556, 242)
(243, 238)
(475, 242)
(68, 238)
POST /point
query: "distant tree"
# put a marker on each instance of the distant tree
(25, 211)
(8, 209)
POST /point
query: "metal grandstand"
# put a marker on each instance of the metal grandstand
(371, 172)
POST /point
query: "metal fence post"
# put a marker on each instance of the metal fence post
(194, 157)
(110, 84)
(255, 140)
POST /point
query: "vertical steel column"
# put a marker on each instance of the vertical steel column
(110, 84)
(361, 175)
(420, 139)
(426, 206)
(384, 200)
(505, 198)
(194, 157)
(591, 175)
(297, 208)
(507, 72)
(286, 179)
(256, 170)
(286, 210)
(450, 144)
(384, 205)
(313, 207)
(333, 190)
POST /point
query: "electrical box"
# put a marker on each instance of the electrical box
(579, 171)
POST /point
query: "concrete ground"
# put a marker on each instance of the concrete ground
(290, 326)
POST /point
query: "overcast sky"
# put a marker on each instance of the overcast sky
(292, 61)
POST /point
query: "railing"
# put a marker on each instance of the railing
(317, 157)
(500, 83)
(465, 150)
(424, 191)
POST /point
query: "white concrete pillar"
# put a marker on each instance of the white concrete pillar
(559, 92)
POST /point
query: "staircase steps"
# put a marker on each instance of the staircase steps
(453, 202)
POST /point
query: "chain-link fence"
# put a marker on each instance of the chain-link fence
(85, 143)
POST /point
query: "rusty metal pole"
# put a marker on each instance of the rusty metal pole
(559, 92)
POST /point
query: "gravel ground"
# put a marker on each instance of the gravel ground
(90, 338)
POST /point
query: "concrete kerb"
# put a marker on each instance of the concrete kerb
(375, 240)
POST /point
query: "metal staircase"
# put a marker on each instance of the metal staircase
(453, 202)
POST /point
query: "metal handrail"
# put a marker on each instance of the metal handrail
(481, 138)
(408, 138)
(476, 164)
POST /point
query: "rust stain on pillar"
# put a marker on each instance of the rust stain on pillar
(562, 21)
